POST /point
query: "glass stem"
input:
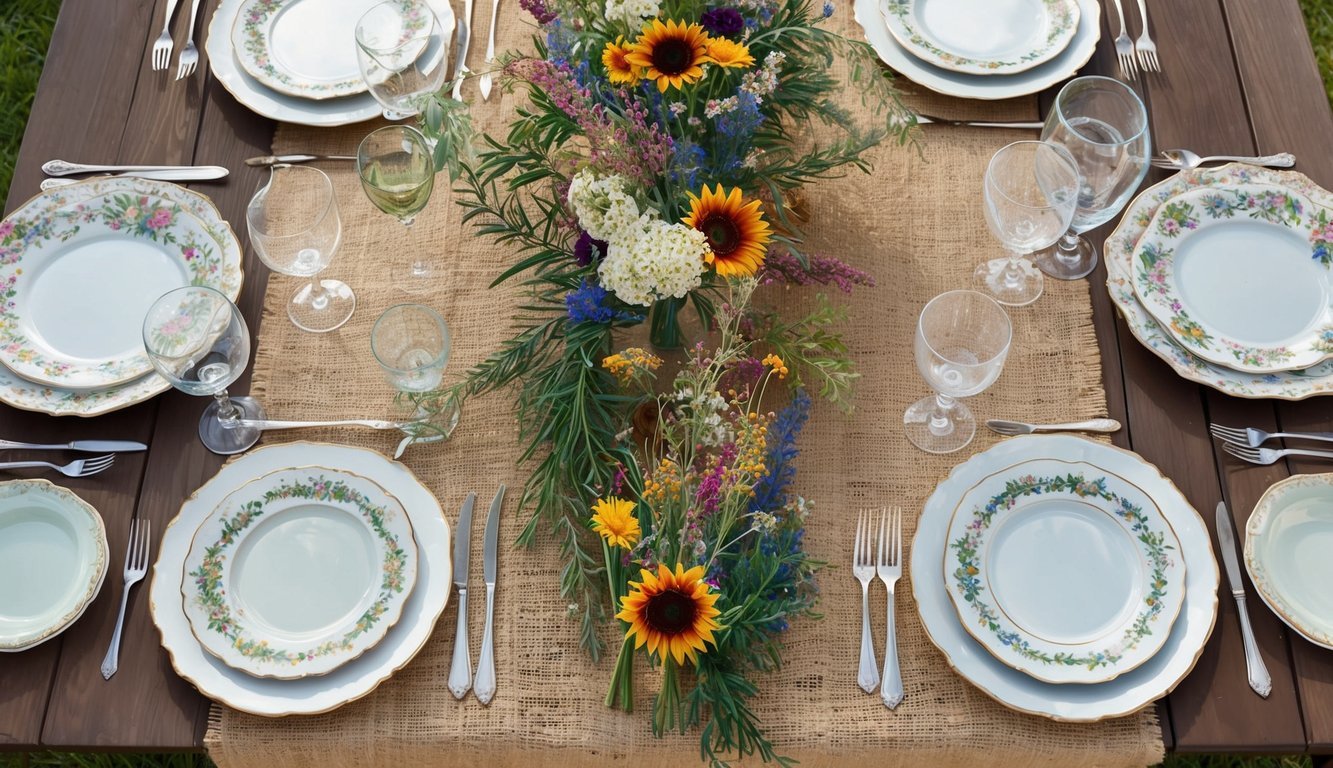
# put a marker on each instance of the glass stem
(941, 419)
(227, 410)
(319, 298)
(1067, 249)
(1013, 273)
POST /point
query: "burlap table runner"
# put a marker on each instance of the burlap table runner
(916, 225)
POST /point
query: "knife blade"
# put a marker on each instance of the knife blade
(1258, 675)
(460, 669)
(485, 683)
(485, 83)
(90, 446)
(464, 37)
(197, 173)
(267, 160)
(66, 168)
(930, 120)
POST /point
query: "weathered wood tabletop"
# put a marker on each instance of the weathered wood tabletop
(1238, 77)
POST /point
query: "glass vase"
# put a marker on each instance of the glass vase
(665, 332)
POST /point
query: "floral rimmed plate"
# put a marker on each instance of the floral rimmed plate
(1120, 262)
(983, 37)
(299, 572)
(1287, 542)
(53, 560)
(1239, 274)
(1064, 570)
(79, 266)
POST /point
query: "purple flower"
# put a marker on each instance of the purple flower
(586, 248)
(539, 11)
(781, 266)
(723, 22)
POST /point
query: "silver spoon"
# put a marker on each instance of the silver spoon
(1005, 427)
(1183, 158)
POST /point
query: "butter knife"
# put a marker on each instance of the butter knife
(485, 683)
(485, 83)
(197, 173)
(932, 120)
(464, 36)
(66, 168)
(267, 160)
(1254, 663)
(460, 670)
(90, 446)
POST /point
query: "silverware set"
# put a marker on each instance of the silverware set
(1133, 54)
(79, 467)
(162, 47)
(882, 558)
(461, 679)
(1246, 443)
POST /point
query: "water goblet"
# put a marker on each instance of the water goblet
(197, 339)
(411, 344)
(1030, 191)
(962, 340)
(397, 172)
(1104, 126)
(296, 229)
(403, 53)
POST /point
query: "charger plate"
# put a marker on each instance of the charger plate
(1064, 570)
(983, 37)
(319, 693)
(299, 572)
(1287, 542)
(1126, 693)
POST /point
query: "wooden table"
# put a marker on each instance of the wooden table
(1239, 78)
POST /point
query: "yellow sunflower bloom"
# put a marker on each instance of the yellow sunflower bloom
(729, 53)
(618, 68)
(737, 233)
(673, 53)
(613, 519)
(671, 611)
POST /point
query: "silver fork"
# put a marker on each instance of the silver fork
(1124, 47)
(1146, 47)
(1270, 455)
(136, 565)
(80, 468)
(162, 46)
(863, 568)
(889, 566)
(189, 56)
(1253, 438)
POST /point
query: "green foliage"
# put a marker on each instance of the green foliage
(1319, 22)
(25, 31)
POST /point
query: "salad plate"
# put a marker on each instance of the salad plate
(983, 37)
(1287, 542)
(1127, 692)
(299, 572)
(53, 560)
(1063, 570)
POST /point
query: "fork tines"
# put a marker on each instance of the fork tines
(97, 464)
(1229, 434)
(1252, 455)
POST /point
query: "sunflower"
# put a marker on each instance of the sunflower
(727, 53)
(618, 68)
(671, 610)
(614, 520)
(672, 53)
(736, 231)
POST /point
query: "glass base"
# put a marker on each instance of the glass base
(323, 312)
(414, 278)
(440, 425)
(1071, 264)
(934, 436)
(395, 115)
(1015, 286)
(228, 440)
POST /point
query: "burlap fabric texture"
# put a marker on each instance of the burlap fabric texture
(916, 225)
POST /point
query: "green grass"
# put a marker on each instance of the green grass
(25, 31)
(1227, 761)
(1319, 21)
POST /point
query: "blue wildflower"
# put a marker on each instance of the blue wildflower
(828, 9)
(585, 304)
(771, 490)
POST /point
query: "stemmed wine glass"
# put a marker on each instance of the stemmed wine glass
(1031, 188)
(962, 340)
(198, 341)
(397, 172)
(295, 228)
(1104, 126)
(402, 50)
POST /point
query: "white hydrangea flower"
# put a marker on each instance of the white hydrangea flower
(632, 12)
(665, 260)
(605, 209)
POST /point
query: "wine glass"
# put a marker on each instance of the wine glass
(397, 172)
(295, 228)
(411, 344)
(1104, 126)
(198, 341)
(1031, 188)
(402, 50)
(962, 340)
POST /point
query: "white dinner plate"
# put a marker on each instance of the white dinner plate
(296, 46)
(1120, 249)
(299, 572)
(1126, 693)
(1064, 570)
(969, 86)
(1287, 544)
(53, 559)
(983, 37)
(321, 693)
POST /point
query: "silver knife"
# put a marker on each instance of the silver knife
(268, 160)
(1254, 663)
(197, 173)
(66, 168)
(460, 671)
(91, 446)
(485, 684)
(485, 83)
(464, 36)
(929, 120)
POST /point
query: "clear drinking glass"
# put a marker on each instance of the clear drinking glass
(1104, 126)
(397, 172)
(198, 341)
(403, 53)
(295, 228)
(411, 344)
(1031, 188)
(962, 340)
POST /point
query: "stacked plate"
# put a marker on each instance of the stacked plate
(982, 49)
(1064, 578)
(79, 267)
(1227, 275)
(301, 577)
(295, 60)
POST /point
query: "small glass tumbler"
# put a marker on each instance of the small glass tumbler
(411, 344)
